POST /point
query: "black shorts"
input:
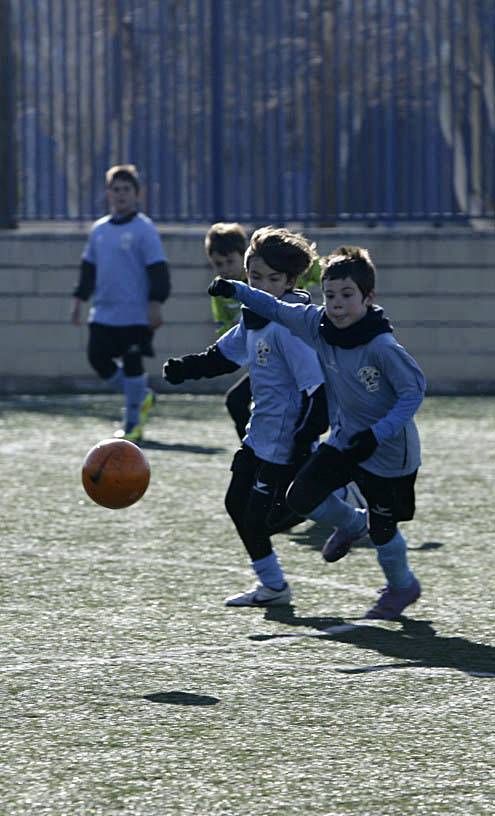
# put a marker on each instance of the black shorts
(257, 492)
(392, 496)
(117, 341)
(327, 470)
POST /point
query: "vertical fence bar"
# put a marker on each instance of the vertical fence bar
(436, 122)
(217, 90)
(50, 101)
(164, 176)
(303, 212)
(202, 162)
(337, 113)
(409, 116)
(37, 118)
(8, 161)
(454, 205)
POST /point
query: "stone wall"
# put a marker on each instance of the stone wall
(437, 285)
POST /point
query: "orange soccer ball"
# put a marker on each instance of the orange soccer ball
(115, 473)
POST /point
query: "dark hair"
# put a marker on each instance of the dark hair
(225, 238)
(350, 262)
(124, 172)
(281, 249)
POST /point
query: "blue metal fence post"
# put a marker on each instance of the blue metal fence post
(8, 201)
(217, 105)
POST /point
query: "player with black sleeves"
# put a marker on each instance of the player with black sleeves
(125, 272)
(289, 408)
(376, 388)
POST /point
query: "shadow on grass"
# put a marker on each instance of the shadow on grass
(151, 444)
(417, 643)
(315, 537)
(181, 698)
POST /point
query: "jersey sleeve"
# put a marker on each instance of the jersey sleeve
(301, 320)
(152, 245)
(89, 253)
(232, 344)
(302, 361)
(409, 383)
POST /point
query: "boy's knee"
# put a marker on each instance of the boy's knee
(299, 498)
(323, 472)
(104, 366)
(133, 364)
(382, 528)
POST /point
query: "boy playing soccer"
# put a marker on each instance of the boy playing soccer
(376, 387)
(125, 272)
(289, 407)
(225, 245)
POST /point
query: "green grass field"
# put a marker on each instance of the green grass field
(128, 688)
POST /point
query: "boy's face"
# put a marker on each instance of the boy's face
(227, 266)
(122, 197)
(344, 302)
(263, 277)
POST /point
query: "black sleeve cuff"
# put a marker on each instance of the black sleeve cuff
(159, 281)
(87, 280)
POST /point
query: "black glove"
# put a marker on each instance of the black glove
(219, 287)
(300, 454)
(173, 370)
(361, 446)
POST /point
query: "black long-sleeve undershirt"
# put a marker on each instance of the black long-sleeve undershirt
(158, 277)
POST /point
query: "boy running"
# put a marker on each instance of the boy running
(376, 387)
(289, 407)
(125, 272)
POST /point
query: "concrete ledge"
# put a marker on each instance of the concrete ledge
(437, 285)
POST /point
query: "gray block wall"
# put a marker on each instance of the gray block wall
(437, 285)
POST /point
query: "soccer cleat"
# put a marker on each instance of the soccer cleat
(340, 542)
(261, 595)
(146, 407)
(133, 433)
(392, 602)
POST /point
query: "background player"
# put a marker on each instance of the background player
(125, 273)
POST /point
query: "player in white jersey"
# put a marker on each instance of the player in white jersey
(125, 273)
(289, 408)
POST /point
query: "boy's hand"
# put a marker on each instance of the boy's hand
(173, 370)
(75, 313)
(219, 287)
(155, 314)
(361, 446)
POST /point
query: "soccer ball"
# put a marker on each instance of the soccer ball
(115, 473)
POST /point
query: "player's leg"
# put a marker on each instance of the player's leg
(139, 399)
(391, 501)
(145, 339)
(102, 349)
(238, 403)
(249, 500)
(316, 493)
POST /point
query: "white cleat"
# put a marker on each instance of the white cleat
(261, 595)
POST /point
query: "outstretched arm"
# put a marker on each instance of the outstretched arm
(210, 363)
(302, 320)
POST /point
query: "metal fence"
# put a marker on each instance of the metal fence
(314, 111)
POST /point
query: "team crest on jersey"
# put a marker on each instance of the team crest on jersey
(369, 377)
(262, 352)
(126, 240)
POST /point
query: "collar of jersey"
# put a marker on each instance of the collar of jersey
(124, 220)
(372, 324)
